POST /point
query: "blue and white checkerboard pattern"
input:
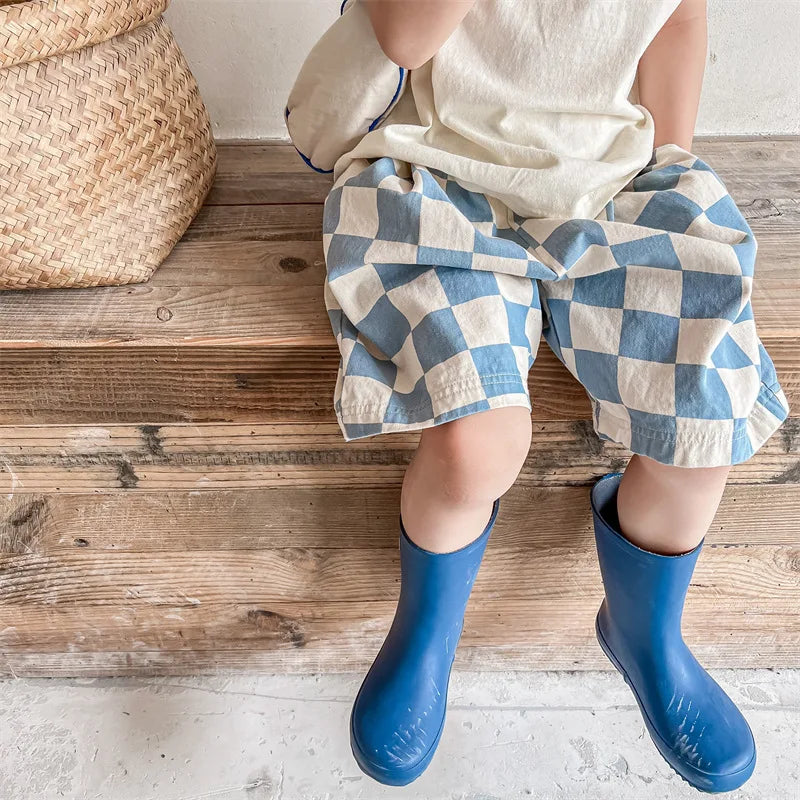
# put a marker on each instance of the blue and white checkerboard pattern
(438, 297)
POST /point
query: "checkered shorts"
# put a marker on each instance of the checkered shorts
(438, 297)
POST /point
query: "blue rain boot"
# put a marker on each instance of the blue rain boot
(693, 723)
(398, 715)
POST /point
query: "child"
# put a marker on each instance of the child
(536, 176)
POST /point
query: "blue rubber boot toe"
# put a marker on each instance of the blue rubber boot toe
(399, 712)
(695, 726)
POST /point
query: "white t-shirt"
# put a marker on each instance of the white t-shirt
(532, 101)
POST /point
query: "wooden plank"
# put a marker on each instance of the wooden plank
(754, 168)
(258, 173)
(331, 609)
(243, 248)
(255, 314)
(175, 384)
(210, 595)
(775, 222)
(268, 223)
(243, 264)
(265, 172)
(238, 519)
(356, 644)
(265, 262)
(750, 580)
(206, 384)
(151, 315)
(240, 384)
(64, 458)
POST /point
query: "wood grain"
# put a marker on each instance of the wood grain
(534, 517)
(64, 458)
(768, 642)
(752, 168)
(302, 608)
(278, 383)
(176, 497)
(250, 314)
(249, 271)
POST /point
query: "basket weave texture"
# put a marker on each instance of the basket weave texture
(106, 151)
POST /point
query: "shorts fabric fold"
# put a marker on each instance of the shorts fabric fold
(439, 296)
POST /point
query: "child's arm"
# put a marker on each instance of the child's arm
(671, 74)
(411, 31)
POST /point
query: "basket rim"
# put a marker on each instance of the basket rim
(33, 30)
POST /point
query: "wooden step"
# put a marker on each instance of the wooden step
(176, 497)
(251, 274)
(63, 458)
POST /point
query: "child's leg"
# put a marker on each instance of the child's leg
(458, 471)
(450, 501)
(668, 509)
(647, 568)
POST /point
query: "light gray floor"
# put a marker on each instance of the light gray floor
(549, 736)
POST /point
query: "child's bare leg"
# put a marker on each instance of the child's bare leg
(459, 470)
(649, 524)
(666, 509)
(449, 504)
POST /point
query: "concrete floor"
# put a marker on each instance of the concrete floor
(549, 736)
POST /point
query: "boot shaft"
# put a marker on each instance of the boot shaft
(437, 586)
(644, 591)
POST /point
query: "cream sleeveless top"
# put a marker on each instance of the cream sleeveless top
(532, 101)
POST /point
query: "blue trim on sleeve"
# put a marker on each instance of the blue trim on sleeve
(303, 155)
(378, 120)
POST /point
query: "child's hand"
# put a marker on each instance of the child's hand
(411, 32)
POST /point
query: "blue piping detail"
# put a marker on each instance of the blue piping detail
(378, 120)
(374, 122)
(303, 155)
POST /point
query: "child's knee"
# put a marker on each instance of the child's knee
(481, 453)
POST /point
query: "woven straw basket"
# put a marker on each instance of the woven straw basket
(106, 151)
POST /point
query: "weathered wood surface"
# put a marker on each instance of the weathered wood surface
(350, 644)
(260, 313)
(257, 255)
(240, 384)
(164, 316)
(147, 457)
(56, 524)
(176, 497)
(181, 600)
(211, 384)
(259, 173)
(176, 635)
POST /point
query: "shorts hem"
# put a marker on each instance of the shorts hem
(705, 449)
(696, 449)
(359, 421)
